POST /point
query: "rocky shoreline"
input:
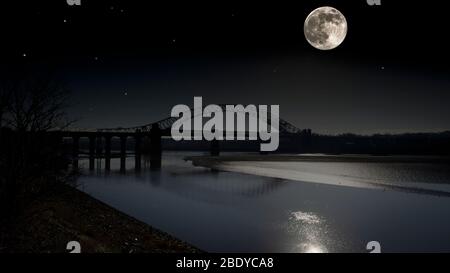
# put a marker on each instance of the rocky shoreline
(48, 224)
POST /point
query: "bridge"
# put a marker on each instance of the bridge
(100, 141)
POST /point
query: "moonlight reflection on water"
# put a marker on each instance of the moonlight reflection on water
(311, 231)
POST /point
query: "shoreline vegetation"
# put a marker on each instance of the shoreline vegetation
(67, 214)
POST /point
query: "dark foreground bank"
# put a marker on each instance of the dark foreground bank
(48, 224)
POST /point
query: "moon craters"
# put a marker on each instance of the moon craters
(325, 28)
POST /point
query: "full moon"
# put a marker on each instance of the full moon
(325, 28)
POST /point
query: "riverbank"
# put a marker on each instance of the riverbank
(48, 224)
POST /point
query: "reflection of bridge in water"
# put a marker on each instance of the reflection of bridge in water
(100, 141)
(223, 191)
(198, 184)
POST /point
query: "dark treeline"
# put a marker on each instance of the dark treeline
(29, 163)
(387, 144)
(31, 160)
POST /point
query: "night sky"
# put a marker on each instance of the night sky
(128, 63)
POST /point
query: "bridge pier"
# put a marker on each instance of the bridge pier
(92, 140)
(75, 151)
(123, 153)
(155, 147)
(137, 151)
(108, 153)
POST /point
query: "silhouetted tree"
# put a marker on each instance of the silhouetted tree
(30, 161)
(35, 104)
(5, 99)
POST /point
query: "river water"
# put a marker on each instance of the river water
(286, 210)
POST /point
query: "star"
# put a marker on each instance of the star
(125, 93)
(96, 58)
(65, 21)
(24, 54)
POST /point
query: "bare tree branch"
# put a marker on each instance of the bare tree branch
(35, 104)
